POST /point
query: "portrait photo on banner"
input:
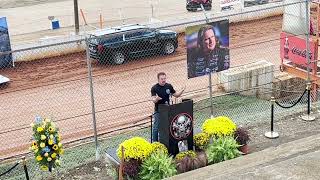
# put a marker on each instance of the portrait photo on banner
(207, 48)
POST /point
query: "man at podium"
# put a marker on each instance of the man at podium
(161, 94)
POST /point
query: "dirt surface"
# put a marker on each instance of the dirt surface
(59, 87)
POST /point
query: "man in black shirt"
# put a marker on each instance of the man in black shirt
(160, 94)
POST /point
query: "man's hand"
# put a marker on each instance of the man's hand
(184, 87)
(156, 98)
(178, 94)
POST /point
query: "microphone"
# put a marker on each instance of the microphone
(170, 96)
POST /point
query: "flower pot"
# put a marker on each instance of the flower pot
(244, 149)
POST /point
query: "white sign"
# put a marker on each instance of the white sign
(224, 3)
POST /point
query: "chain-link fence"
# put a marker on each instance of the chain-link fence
(98, 89)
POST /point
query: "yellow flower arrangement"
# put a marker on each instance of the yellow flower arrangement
(135, 148)
(156, 147)
(46, 144)
(50, 141)
(42, 145)
(44, 168)
(51, 129)
(220, 126)
(201, 140)
(43, 137)
(39, 158)
(39, 129)
(34, 143)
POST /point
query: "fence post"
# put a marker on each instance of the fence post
(271, 134)
(93, 109)
(308, 117)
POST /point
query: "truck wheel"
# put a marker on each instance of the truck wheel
(168, 48)
(118, 58)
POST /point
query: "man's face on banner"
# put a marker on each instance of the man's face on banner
(209, 40)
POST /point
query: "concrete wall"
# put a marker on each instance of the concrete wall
(253, 79)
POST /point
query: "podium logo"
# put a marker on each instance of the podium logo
(181, 126)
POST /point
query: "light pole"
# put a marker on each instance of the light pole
(76, 16)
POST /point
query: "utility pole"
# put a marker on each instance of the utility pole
(76, 16)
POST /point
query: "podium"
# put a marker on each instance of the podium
(176, 126)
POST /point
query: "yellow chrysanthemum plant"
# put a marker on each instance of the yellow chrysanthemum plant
(135, 148)
(157, 147)
(201, 141)
(219, 127)
(46, 144)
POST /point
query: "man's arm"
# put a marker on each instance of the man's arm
(178, 94)
(154, 97)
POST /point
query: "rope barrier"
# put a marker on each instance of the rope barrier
(294, 103)
(9, 170)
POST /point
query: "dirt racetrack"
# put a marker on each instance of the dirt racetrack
(59, 87)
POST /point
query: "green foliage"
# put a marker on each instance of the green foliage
(157, 166)
(222, 149)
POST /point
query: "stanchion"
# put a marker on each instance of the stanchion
(308, 117)
(24, 163)
(271, 134)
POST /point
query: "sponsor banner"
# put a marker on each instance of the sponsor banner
(293, 48)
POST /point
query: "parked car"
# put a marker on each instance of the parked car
(252, 2)
(195, 5)
(4, 80)
(118, 44)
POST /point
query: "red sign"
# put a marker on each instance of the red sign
(293, 48)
